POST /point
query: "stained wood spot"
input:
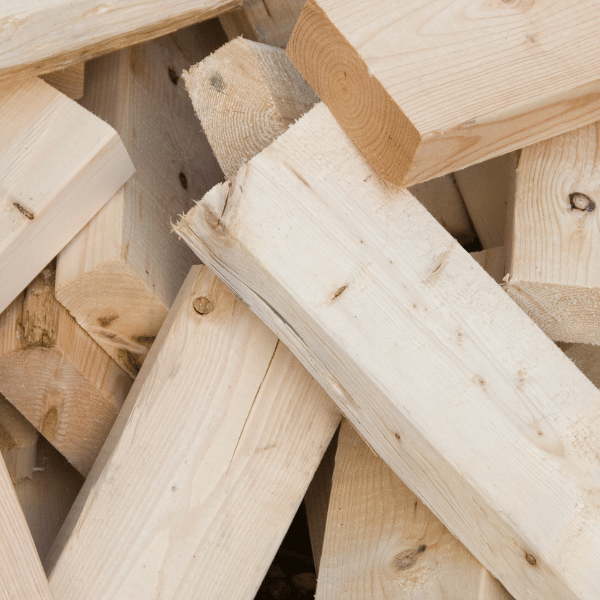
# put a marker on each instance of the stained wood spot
(479, 380)
(24, 211)
(530, 559)
(581, 202)
(339, 292)
(202, 305)
(183, 180)
(397, 436)
(130, 361)
(173, 75)
(106, 321)
(407, 559)
(49, 424)
(217, 82)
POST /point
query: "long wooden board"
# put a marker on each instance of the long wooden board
(382, 542)
(42, 36)
(476, 410)
(59, 165)
(120, 275)
(69, 81)
(205, 467)
(58, 377)
(424, 88)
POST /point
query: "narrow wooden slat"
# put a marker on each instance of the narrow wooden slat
(452, 384)
(40, 36)
(120, 275)
(69, 80)
(553, 254)
(59, 165)
(58, 377)
(424, 88)
(266, 21)
(382, 542)
(206, 465)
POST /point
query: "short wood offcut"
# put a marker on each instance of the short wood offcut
(476, 410)
(425, 88)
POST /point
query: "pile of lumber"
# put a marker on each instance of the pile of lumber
(257, 255)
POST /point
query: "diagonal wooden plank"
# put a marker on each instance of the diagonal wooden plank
(447, 379)
(206, 465)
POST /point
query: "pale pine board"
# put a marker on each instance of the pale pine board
(69, 80)
(382, 542)
(120, 275)
(445, 377)
(59, 165)
(425, 88)
(40, 36)
(205, 467)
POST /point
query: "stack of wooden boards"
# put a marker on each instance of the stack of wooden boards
(345, 158)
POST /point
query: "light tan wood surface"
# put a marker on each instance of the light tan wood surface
(48, 495)
(266, 21)
(18, 441)
(493, 261)
(488, 190)
(40, 36)
(69, 80)
(58, 377)
(54, 154)
(426, 88)
(477, 411)
(382, 542)
(21, 573)
(246, 94)
(206, 466)
(553, 254)
(120, 275)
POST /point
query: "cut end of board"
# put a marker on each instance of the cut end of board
(372, 120)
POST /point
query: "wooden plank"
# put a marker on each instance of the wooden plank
(586, 358)
(472, 406)
(266, 21)
(488, 189)
(21, 573)
(246, 94)
(69, 80)
(58, 377)
(202, 474)
(424, 89)
(53, 154)
(18, 441)
(554, 249)
(41, 36)
(493, 261)
(193, 41)
(382, 542)
(120, 275)
(48, 495)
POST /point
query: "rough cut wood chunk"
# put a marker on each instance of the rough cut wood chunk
(40, 36)
(120, 275)
(488, 189)
(472, 406)
(206, 466)
(382, 542)
(57, 375)
(424, 88)
(266, 21)
(18, 441)
(246, 94)
(553, 255)
(59, 166)
(47, 497)
(69, 81)
(21, 573)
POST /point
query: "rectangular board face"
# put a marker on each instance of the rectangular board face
(445, 377)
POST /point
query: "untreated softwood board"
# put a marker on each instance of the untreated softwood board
(493, 261)
(40, 36)
(382, 542)
(48, 495)
(120, 275)
(205, 467)
(553, 253)
(57, 375)
(18, 441)
(69, 80)
(472, 406)
(246, 94)
(59, 164)
(266, 21)
(424, 88)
